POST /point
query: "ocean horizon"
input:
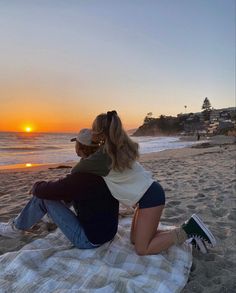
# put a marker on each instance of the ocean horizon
(55, 147)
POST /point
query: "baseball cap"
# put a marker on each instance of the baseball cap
(85, 137)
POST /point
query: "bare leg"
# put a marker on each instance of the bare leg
(133, 225)
(146, 237)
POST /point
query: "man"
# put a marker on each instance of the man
(96, 220)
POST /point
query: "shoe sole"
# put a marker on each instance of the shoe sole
(201, 245)
(205, 229)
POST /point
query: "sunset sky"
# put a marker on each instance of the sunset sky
(64, 62)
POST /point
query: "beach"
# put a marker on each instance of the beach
(196, 180)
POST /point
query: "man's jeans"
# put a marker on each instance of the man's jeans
(60, 214)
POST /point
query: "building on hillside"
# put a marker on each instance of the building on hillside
(221, 120)
(223, 114)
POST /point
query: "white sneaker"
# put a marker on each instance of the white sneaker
(46, 219)
(198, 243)
(9, 230)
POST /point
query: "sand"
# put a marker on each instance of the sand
(196, 180)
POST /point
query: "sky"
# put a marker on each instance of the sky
(64, 62)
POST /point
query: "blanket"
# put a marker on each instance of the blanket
(52, 264)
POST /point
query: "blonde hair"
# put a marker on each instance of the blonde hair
(122, 150)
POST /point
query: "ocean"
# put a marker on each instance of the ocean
(46, 148)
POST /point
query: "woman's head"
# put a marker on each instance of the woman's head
(103, 121)
(107, 129)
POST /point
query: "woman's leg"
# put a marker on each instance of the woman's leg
(148, 240)
(133, 225)
(61, 215)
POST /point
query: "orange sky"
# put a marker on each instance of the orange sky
(44, 113)
(63, 64)
(47, 111)
(48, 106)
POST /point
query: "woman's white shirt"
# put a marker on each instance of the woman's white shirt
(129, 185)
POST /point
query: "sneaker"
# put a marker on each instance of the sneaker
(199, 244)
(195, 228)
(9, 230)
(46, 219)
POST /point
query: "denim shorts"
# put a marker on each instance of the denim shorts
(154, 196)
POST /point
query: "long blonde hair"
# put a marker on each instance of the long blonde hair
(122, 150)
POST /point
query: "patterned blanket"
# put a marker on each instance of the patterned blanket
(51, 264)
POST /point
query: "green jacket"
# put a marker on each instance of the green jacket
(98, 163)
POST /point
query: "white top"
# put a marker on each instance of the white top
(129, 185)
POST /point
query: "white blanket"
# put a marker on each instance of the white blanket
(51, 264)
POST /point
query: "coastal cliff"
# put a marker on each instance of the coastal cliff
(165, 125)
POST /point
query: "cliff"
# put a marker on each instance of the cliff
(159, 126)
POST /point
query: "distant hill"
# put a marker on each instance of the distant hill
(165, 125)
(188, 123)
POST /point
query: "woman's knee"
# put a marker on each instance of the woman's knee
(140, 251)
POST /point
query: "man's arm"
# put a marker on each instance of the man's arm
(72, 187)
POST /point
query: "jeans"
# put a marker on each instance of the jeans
(61, 215)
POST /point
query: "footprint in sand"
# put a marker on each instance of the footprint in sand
(201, 180)
(172, 203)
(200, 197)
(191, 207)
(219, 212)
(232, 216)
(210, 257)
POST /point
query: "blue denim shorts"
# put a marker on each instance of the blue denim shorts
(154, 196)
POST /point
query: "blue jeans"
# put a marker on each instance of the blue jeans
(61, 215)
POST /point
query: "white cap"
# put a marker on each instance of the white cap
(85, 137)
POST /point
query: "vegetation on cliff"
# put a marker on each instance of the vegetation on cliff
(164, 125)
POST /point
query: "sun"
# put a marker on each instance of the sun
(28, 129)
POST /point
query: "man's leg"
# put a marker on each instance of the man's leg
(61, 215)
(31, 214)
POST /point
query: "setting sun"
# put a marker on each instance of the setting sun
(28, 129)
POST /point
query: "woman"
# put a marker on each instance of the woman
(97, 219)
(132, 185)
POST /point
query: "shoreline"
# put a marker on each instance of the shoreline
(29, 163)
(34, 167)
(219, 140)
(185, 151)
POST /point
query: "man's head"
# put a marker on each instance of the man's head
(84, 145)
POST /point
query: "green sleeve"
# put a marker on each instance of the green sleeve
(98, 163)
